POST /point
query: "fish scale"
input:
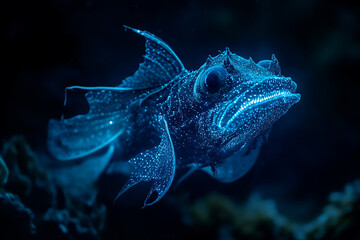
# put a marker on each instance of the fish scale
(213, 119)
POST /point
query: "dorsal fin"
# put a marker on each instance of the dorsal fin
(160, 66)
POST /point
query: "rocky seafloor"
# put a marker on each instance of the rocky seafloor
(32, 206)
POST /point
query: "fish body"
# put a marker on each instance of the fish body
(214, 118)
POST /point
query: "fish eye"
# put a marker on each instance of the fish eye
(214, 79)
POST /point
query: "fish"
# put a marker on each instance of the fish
(214, 119)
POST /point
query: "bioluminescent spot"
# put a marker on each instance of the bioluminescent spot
(165, 117)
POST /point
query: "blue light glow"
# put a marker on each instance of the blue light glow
(213, 119)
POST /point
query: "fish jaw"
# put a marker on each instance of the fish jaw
(256, 109)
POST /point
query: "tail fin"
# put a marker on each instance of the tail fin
(84, 134)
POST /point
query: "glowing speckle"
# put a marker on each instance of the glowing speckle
(218, 128)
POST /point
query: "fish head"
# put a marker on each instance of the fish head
(243, 99)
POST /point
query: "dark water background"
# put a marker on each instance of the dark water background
(312, 151)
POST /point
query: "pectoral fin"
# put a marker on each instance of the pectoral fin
(236, 165)
(156, 165)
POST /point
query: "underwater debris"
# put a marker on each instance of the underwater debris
(256, 219)
(4, 172)
(23, 168)
(340, 218)
(69, 225)
(31, 201)
(259, 218)
(12, 210)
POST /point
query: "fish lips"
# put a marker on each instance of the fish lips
(256, 109)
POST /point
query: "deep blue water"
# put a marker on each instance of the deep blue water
(312, 151)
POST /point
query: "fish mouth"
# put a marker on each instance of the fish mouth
(259, 106)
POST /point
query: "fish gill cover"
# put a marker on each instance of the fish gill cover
(214, 119)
